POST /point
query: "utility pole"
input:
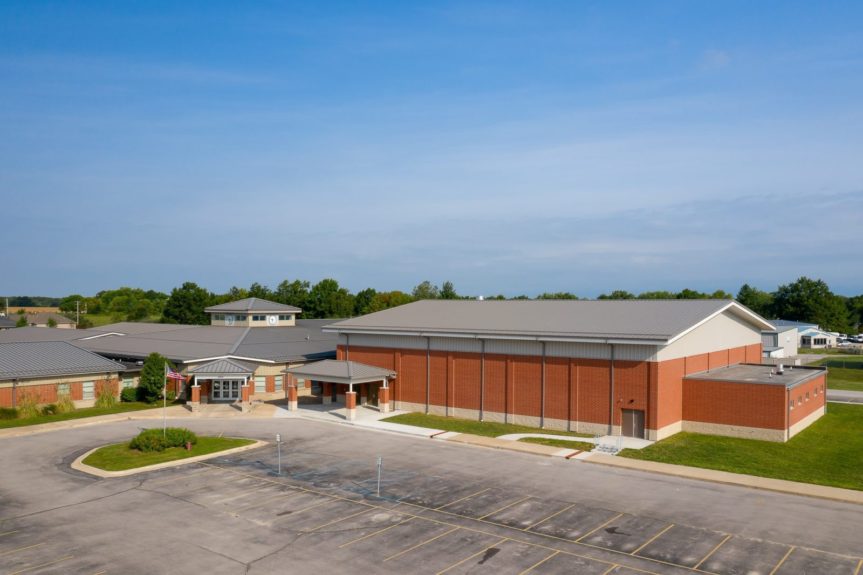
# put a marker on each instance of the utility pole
(77, 312)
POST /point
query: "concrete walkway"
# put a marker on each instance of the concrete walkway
(615, 441)
(844, 396)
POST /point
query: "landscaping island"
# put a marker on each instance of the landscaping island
(149, 448)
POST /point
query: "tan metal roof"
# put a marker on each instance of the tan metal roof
(656, 321)
(51, 359)
(340, 371)
(223, 366)
(253, 304)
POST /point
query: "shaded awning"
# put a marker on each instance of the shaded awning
(222, 367)
(339, 371)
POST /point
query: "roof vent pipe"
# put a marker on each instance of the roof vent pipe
(780, 369)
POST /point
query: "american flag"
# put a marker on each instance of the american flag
(171, 374)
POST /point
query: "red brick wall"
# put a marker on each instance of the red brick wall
(667, 401)
(804, 407)
(526, 391)
(696, 363)
(593, 389)
(744, 404)
(466, 381)
(557, 390)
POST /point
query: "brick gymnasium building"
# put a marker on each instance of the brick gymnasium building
(640, 368)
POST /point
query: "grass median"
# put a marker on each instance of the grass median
(119, 457)
(485, 428)
(826, 453)
(845, 372)
(78, 414)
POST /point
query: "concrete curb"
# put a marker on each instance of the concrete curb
(25, 430)
(79, 464)
(728, 478)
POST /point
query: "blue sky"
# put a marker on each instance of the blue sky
(508, 147)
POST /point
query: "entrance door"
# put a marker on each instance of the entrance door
(373, 394)
(226, 389)
(633, 423)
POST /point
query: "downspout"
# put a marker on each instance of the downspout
(611, 379)
(347, 347)
(14, 393)
(428, 373)
(542, 391)
(482, 380)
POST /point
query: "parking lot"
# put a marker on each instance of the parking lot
(235, 515)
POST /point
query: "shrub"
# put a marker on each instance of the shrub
(8, 413)
(50, 409)
(105, 397)
(129, 394)
(64, 403)
(156, 440)
(28, 406)
(171, 396)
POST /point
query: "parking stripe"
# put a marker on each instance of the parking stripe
(555, 514)
(712, 551)
(538, 563)
(379, 531)
(516, 502)
(334, 521)
(266, 500)
(859, 566)
(11, 551)
(607, 571)
(8, 533)
(469, 557)
(175, 478)
(418, 545)
(598, 527)
(60, 560)
(652, 539)
(463, 498)
(781, 561)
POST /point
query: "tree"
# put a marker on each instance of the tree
(557, 295)
(363, 301)
(447, 291)
(388, 299)
(260, 291)
(618, 294)
(295, 293)
(812, 301)
(328, 300)
(691, 294)
(855, 312)
(426, 290)
(761, 302)
(721, 294)
(657, 295)
(69, 303)
(22, 321)
(152, 381)
(51, 322)
(186, 305)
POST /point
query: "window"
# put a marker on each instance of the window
(219, 317)
(259, 318)
(89, 390)
(260, 384)
(239, 318)
(278, 382)
(820, 341)
(800, 401)
(807, 396)
(128, 382)
(791, 404)
(63, 389)
(285, 317)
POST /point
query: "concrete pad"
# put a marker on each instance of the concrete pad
(565, 564)
(319, 516)
(574, 522)
(626, 533)
(523, 515)
(682, 545)
(439, 551)
(750, 556)
(487, 502)
(810, 561)
(501, 558)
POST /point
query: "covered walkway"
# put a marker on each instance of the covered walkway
(339, 378)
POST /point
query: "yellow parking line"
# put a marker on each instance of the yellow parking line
(469, 557)
(555, 514)
(598, 527)
(297, 512)
(337, 520)
(506, 506)
(265, 500)
(859, 566)
(712, 551)
(21, 549)
(607, 571)
(60, 560)
(251, 491)
(538, 563)
(463, 498)
(8, 533)
(418, 545)
(781, 561)
(652, 539)
(372, 534)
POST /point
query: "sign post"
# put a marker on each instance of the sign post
(279, 447)
(380, 465)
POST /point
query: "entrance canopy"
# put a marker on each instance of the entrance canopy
(222, 367)
(339, 371)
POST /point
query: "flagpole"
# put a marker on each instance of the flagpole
(165, 402)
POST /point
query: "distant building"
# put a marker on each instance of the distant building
(780, 342)
(809, 335)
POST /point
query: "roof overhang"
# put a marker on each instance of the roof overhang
(501, 337)
(735, 308)
(239, 357)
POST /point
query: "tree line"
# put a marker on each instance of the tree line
(806, 299)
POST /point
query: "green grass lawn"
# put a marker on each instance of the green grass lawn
(486, 428)
(846, 372)
(78, 414)
(829, 452)
(118, 456)
(98, 319)
(827, 351)
(562, 443)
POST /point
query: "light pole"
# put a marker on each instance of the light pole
(279, 447)
(380, 465)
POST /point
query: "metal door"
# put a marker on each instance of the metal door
(633, 423)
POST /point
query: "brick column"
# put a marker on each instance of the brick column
(351, 405)
(246, 397)
(327, 392)
(292, 397)
(384, 399)
(195, 403)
